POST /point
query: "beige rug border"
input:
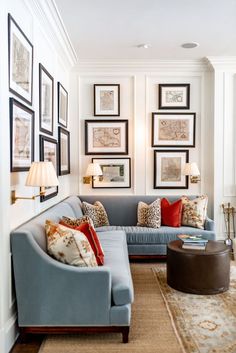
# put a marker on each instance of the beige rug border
(154, 270)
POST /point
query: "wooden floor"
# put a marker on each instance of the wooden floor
(29, 345)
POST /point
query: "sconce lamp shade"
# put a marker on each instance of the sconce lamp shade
(42, 174)
(93, 169)
(191, 169)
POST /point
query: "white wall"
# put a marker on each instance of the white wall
(224, 93)
(40, 22)
(139, 98)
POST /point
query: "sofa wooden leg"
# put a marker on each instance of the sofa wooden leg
(125, 334)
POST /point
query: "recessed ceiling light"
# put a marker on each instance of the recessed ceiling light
(190, 45)
(144, 46)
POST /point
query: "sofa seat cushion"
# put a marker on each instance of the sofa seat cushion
(116, 258)
(162, 235)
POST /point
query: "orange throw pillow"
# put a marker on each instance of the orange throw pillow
(93, 239)
(171, 213)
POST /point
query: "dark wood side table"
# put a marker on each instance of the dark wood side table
(198, 271)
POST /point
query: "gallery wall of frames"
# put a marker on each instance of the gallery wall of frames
(22, 118)
(36, 121)
(38, 81)
(141, 128)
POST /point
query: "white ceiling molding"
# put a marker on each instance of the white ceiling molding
(48, 15)
(223, 63)
(200, 65)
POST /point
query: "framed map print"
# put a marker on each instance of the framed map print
(174, 96)
(106, 137)
(48, 153)
(20, 56)
(64, 151)
(115, 173)
(106, 100)
(168, 169)
(21, 136)
(173, 129)
(45, 100)
(62, 99)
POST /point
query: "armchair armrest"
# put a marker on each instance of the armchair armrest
(50, 293)
(209, 224)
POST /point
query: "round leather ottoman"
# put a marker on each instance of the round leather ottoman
(198, 271)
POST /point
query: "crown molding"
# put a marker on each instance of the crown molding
(221, 62)
(147, 65)
(49, 17)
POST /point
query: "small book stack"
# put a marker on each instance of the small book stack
(196, 242)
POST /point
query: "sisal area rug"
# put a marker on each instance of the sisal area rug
(163, 321)
(151, 329)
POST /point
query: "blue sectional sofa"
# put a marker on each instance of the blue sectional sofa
(53, 297)
(142, 241)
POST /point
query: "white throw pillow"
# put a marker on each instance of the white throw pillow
(194, 211)
(69, 246)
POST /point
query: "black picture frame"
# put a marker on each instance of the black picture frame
(104, 101)
(45, 142)
(179, 97)
(63, 151)
(20, 71)
(46, 101)
(21, 136)
(62, 106)
(173, 127)
(114, 184)
(159, 182)
(106, 137)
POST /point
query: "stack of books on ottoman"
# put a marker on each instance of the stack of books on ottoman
(196, 242)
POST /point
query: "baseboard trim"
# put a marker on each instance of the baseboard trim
(10, 334)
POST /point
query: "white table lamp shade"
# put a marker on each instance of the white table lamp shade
(93, 169)
(191, 169)
(42, 174)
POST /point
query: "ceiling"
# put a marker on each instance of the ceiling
(112, 29)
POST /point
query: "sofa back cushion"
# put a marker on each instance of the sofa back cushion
(36, 226)
(122, 210)
(76, 204)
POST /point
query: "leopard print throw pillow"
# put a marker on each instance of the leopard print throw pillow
(76, 222)
(149, 215)
(97, 213)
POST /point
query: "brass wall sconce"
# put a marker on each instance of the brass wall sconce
(41, 174)
(94, 170)
(191, 169)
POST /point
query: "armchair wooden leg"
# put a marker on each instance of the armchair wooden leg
(125, 334)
